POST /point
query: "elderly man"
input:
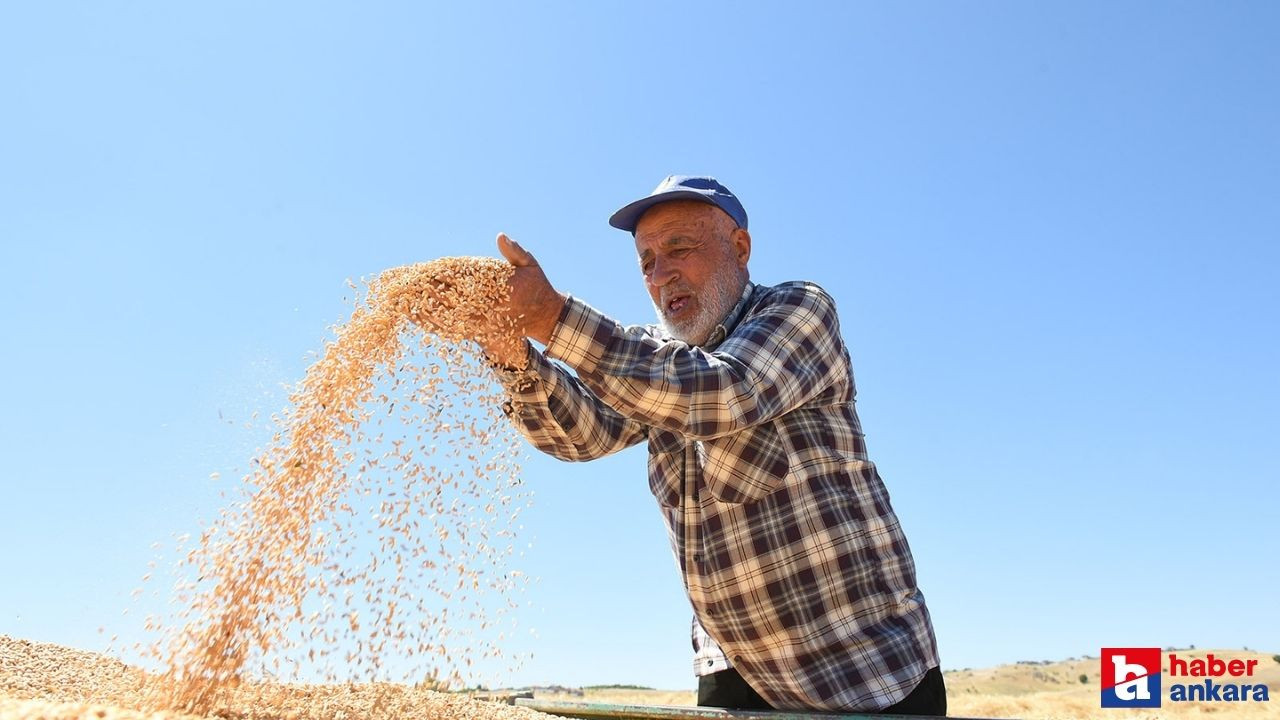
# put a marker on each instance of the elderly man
(800, 577)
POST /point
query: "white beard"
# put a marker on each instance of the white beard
(714, 303)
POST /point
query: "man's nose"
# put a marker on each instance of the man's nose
(663, 272)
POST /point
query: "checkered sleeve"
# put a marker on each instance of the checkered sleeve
(783, 354)
(560, 416)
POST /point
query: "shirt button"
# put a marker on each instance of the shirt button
(710, 663)
(697, 559)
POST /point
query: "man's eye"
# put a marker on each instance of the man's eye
(681, 252)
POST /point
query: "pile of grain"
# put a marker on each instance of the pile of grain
(363, 548)
(40, 681)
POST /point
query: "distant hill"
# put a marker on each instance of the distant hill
(1028, 689)
(1054, 689)
(1031, 676)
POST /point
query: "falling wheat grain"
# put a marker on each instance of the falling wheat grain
(364, 546)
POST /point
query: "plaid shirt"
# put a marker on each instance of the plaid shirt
(790, 552)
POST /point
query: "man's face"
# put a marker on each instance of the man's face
(694, 261)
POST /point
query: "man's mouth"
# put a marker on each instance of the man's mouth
(677, 303)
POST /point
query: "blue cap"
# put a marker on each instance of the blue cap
(682, 187)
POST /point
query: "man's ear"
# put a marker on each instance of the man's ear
(741, 242)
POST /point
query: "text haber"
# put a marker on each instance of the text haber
(1211, 666)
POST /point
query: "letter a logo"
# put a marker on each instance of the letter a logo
(1130, 677)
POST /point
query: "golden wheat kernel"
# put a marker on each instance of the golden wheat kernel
(254, 579)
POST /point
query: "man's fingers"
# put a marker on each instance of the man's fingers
(514, 254)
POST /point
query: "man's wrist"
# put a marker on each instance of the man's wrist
(548, 318)
(509, 354)
(581, 336)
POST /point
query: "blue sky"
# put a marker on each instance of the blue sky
(1051, 230)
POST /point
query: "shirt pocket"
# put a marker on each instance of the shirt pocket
(666, 466)
(745, 466)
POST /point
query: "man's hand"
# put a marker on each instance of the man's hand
(534, 305)
(532, 309)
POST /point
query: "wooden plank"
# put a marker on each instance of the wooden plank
(613, 711)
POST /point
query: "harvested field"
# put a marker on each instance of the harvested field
(1047, 689)
(1042, 690)
(41, 681)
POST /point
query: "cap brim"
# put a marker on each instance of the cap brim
(628, 215)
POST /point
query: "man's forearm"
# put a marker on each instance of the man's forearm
(783, 353)
(562, 417)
